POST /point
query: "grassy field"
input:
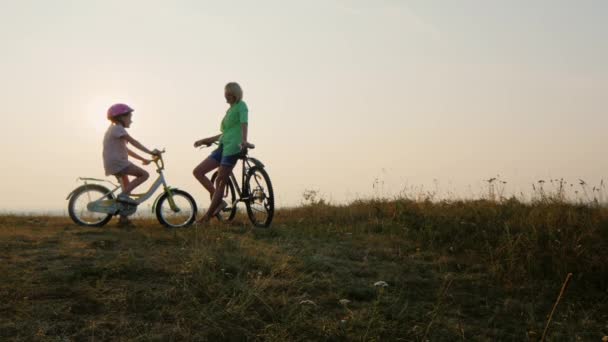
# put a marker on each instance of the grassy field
(371, 270)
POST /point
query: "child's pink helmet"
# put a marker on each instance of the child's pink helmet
(117, 110)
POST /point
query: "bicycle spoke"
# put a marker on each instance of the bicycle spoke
(257, 182)
(260, 198)
(258, 210)
(179, 218)
(79, 210)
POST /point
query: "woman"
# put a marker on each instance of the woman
(232, 140)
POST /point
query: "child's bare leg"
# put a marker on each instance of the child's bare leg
(202, 169)
(125, 180)
(124, 219)
(140, 175)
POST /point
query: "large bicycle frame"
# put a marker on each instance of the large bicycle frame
(243, 194)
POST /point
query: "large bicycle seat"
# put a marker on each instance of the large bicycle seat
(243, 154)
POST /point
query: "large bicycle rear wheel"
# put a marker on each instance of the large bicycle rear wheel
(260, 197)
(229, 196)
(82, 196)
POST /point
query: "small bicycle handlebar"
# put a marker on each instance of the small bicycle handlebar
(158, 160)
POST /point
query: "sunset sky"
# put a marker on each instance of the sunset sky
(343, 95)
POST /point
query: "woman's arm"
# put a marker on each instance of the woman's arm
(244, 133)
(245, 143)
(243, 118)
(207, 141)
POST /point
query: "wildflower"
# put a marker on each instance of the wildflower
(307, 302)
(381, 284)
(344, 301)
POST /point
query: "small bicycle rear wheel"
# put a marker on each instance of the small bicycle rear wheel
(78, 205)
(260, 197)
(229, 196)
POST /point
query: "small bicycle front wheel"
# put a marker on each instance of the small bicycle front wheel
(260, 197)
(229, 196)
(182, 215)
(78, 205)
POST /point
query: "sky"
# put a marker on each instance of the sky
(351, 99)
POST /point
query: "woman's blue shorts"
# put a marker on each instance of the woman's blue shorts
(224, 160)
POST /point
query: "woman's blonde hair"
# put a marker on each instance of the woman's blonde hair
(235, 90)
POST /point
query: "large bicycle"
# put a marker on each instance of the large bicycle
(92, 204)
(256, 192)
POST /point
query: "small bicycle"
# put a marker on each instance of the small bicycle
(256, 192)
(94, 205)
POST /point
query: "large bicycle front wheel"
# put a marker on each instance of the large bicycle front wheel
(181, 215)
(78, 205)
(260, 197)
(228, 213)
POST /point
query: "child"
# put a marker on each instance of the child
(115, 153)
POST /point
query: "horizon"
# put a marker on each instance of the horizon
(579, 192)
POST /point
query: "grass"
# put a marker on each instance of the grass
(455, 270)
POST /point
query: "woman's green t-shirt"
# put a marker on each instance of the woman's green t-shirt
(232, 136)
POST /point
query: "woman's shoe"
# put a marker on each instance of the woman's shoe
(203, 221)
(219, 209)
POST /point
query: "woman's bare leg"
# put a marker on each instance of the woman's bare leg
(202, 169)
(220, 186)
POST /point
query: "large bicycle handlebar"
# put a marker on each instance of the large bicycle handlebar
(249, 145)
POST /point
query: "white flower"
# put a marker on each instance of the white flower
(380, 284)
(307, 302)
(344, 301)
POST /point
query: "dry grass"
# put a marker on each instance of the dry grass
(474, 270)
